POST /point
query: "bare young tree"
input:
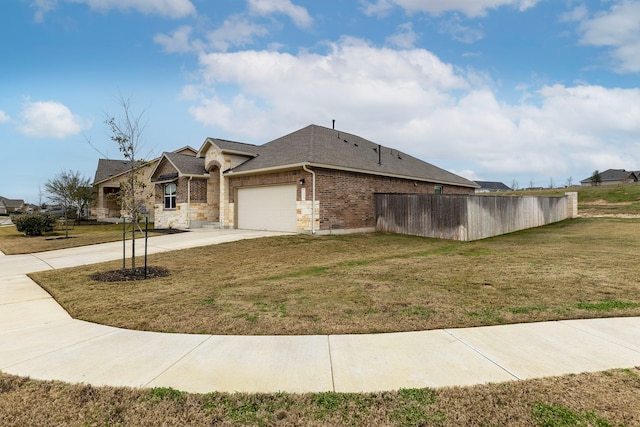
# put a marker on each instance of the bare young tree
(126, 132)
(569, 182)
(68, 189)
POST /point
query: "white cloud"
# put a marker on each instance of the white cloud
(376, 8)
(618, 29)
(235, 31)
(50, 119)
(471, 8)
(4, 117)
(460, 32)
(576, 14)
(404, 38)
(179, 41)
(43, 7)
(168, 8)
(411, 100)
(298, 14)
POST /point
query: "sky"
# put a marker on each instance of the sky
(526, 92)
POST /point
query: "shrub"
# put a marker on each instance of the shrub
(34, 224)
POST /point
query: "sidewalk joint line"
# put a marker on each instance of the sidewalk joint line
(40, 259)
(486, 357)
(333, 381)
(209, 337)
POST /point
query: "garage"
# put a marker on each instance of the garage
(267, 208)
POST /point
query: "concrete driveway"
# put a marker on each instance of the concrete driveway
(40, 340)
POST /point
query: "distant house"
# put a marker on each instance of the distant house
(491, 186)
(9, 206)
(613, 177)
(108, 178)
(315, 179)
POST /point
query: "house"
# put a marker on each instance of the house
(491, 186)
(108, 178)
(315, 179)
(9, 206)
(613, 177)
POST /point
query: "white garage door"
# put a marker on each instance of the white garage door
(267, 208)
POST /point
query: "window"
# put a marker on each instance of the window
(170, 196)
(438, 189)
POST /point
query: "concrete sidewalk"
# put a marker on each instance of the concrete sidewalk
(40, 340)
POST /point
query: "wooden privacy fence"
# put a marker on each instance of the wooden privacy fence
(469, 217)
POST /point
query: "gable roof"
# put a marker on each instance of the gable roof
(184, 164)
(11, 203)
(615, 175)
(328, 148)
(249, 150)
(187, 149)
(492, 185)
(108, 168)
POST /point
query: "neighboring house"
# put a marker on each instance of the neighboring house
(9, 206)
(491, 186)
(313, 180)
(613, 177)
(110, 174)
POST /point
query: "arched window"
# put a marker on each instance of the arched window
(170, 195)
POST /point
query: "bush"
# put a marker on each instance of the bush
(34, 224)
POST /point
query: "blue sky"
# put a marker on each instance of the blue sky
(531, 91)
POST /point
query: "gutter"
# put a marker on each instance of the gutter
(190, 176)
(189, 202)
(231, 172)
(313, 198)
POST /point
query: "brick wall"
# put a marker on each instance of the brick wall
(346, 199)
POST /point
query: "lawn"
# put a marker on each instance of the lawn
(597, 399)
(361, 283)
(366, 283)
(12, 242)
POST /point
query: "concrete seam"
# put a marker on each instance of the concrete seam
(177, 361)
(481, 354)
(333, 381)
(40, 259)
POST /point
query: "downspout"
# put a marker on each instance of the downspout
(313, 198)
(189, 202)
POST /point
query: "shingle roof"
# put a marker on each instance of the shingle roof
(11, 203)
(492, 185)
(322, 146)
(109, 168)
(186, 164)
(615, 175)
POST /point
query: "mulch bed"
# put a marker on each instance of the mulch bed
(129, 275)
(168, 230)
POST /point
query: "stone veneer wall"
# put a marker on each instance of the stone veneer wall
(183, 216)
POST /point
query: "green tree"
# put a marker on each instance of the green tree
(596, 178)
(126, 132)
(68, 189)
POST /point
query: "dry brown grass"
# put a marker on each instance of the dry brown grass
(12, 242)
(371, 283)
(609, 398)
